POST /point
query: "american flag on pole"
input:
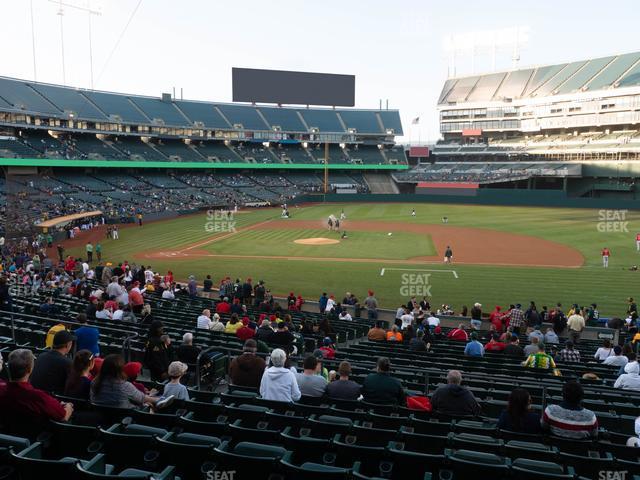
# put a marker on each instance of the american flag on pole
(415, 121)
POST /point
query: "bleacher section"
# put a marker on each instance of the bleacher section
(224, 428)
(486, 173)
(595, 74)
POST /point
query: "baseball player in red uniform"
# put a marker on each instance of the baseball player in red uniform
(605, 257)
(638, 242)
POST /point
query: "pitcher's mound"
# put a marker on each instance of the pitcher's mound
(316, 241)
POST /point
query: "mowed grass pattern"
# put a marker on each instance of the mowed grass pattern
(281, 242)
(486, 284)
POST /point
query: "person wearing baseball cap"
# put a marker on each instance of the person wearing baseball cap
(174, 388)
(52, 367)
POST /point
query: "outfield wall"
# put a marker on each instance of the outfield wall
(485, 196)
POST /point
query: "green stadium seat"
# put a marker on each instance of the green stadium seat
(249, 459)
(525, 469)
(471, 464)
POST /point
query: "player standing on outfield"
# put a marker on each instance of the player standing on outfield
(605, 257)
(413, 212)
(448, 255)
(638, 242)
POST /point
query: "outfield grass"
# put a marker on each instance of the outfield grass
(580, 228)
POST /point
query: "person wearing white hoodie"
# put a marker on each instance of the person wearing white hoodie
(630, 379)
(279, 383)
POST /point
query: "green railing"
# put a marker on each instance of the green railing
(54, 162)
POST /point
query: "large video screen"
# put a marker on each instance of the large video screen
(299, 88)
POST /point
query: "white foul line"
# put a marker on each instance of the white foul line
(455, 274)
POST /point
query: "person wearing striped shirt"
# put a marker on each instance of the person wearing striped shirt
(569, 419)
(540, 359)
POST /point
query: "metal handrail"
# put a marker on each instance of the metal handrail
(126, 346)
(198, 362)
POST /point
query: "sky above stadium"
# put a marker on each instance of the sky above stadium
(395, 49)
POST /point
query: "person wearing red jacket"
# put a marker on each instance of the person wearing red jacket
(70, 265)
(223, 307)
(458, 334)
(495, 318)
(247, 331)
(494, 345)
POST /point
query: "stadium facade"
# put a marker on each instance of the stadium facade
(571, 126)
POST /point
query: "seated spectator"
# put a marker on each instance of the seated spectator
(617, 359)
(532, 347)
(536, 333)
(279, 383)
(551, 337)
(79, 381)
(454, 399)
(233, 325)
(223, 307)
(48, 341)
(131, 372)
(377, 333)
(118, 313)
(24, 409)
(346, 316)
(569, 419)
(310, 382)
(417, 343)
(264, 331)
(343, 388)
(474, 348)
(53, 366)
(110, 387)
(246, 370)
(282, 337)
(605, 351)
(568, 353)
(458, 334)
(494, 345)
(187, 352)
(540, 359)
(518, 416)
(247, 330)
(216, 324)
(328, 349)
(204, 320)
(630, 379)
(514, 349)
(394, 335)
(381, 387)
(174, 388)
(87, 337)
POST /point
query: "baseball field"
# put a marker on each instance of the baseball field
(501, 255)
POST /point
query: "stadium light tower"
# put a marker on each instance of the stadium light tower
(485, 42)
(60, 13)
